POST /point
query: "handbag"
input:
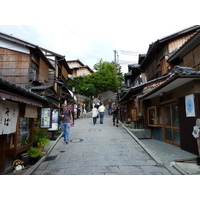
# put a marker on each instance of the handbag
(97, 116)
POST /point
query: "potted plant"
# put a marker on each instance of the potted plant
(34, 155)
(40, 138)
(42, 142)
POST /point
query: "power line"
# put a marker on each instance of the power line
(130, 52)
(127, 62)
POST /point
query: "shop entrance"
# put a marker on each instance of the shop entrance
(171, 124)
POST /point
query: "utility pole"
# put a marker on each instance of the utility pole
(115, 56)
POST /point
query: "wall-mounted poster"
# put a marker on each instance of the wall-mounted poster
(54, 120)
(189, 105)
(45, 118)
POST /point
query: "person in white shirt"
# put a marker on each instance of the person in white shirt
(94, 114)
(101, 110)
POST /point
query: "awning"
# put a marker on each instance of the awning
(72, 94)
(134, 90)
(53, 101)
(170, 84)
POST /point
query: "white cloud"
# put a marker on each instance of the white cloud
(89, 30)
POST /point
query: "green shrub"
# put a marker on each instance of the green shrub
(34, 152)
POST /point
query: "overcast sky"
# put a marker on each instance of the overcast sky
(89, 30)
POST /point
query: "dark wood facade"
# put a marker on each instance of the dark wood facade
(27, 106)
(29, 80)
(161, 103)
(187, 141)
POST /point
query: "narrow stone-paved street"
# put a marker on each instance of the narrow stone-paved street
(101, 149)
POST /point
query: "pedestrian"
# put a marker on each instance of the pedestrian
(95, 114)
(101, 110)
(66, 117)
(78, 110)
(115, 112)
(71, 108)
(109, 107)
(83, 109)
(75, 111)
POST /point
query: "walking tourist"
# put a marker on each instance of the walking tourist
(101, 110)
(95, 114)
(66, 116)
(109, 107)
(115, 112)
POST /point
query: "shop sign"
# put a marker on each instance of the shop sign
(8, 117)
(30, 111)
(45, 118)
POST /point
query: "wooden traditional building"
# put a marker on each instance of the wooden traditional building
(32, 80)
(18, 109)
(34, 68)
(171, 69)
(78, 68)
(58, 77)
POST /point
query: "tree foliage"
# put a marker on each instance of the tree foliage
(105, 78)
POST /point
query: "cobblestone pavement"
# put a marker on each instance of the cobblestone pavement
(101, 149)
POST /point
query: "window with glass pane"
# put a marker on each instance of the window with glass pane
(152, 116)
(155, 116)
(175, 120)
(171, 123)
(159, 113)
(168, 134)
(167, 116)
(176, 134)
(10, 141)
(24, 132)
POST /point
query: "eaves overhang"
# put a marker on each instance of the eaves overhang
(132, 91)
(170, 84)
(41, 54)
(16, 40)
(155, 46)
(14, 92)
(188, 46)
(63, 62)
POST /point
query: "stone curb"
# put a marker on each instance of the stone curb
(151, 154)
(30, 170)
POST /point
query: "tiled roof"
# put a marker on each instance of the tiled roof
(9, 85)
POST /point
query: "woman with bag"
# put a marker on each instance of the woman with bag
(95, 114)
(66, 116)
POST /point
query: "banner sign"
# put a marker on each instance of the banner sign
(8, 117)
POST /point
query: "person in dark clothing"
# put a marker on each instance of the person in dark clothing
(115, 113)
(78, 110)
(109, 107)
(66, 116)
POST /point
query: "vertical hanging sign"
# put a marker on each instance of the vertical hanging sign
(45, 118)
(8, 117)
